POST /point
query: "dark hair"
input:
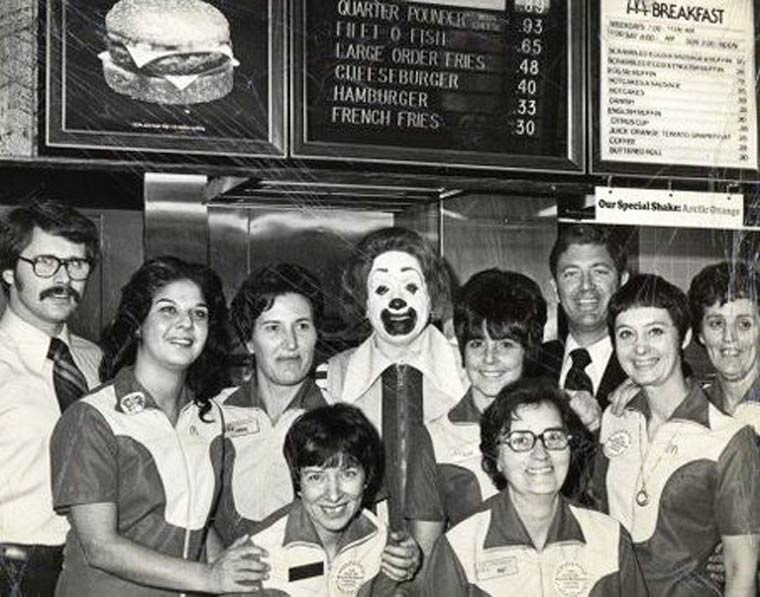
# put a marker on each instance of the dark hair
(650, 290)
(406, 241)
(208, 374)
(721, 283)
(510, 305)
(497, 421)
(259, 290)
(586, 234)
(54, 218)
(321, 437)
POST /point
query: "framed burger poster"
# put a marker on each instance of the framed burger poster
(191, 76)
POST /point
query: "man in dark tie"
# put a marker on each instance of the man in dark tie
(47, 252)
(587, 269)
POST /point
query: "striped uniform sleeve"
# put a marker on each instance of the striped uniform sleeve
(445, 576)
(737, 494)
(424, 498)
(83, 455)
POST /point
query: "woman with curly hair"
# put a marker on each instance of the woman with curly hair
(528, 539)
(133, 464)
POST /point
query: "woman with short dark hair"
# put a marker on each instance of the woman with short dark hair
(677, 472)
(325, 543)
(529, 539)
(725, 310)
(499, 319)
(133, 463)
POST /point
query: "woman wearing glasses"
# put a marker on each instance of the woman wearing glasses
(528, 539)
(134, 463)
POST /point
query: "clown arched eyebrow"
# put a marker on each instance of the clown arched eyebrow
(407, 268)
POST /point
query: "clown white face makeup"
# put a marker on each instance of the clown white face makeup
(398, 303)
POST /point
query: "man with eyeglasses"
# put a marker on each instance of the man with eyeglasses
(47, 252)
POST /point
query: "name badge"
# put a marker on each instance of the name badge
(306, 571)
(617, 443)
(240, 428)
(464, 452)
(496, 567)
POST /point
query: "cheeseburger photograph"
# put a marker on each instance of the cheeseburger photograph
(168, 51)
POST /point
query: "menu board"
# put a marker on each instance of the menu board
(677, 83)
(471, 83)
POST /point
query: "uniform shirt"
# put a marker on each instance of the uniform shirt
(354, 376)
(748, 409)
(491, 554)
(447, 482)
(299, 566)
(600, 353)
(28, 412)
(256, 476)
(116, 445)
(700, 474)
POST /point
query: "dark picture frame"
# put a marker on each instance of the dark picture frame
(83, 112)
(469, 139)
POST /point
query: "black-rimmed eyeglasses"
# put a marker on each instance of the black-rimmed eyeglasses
(47, 266)
(554, 438)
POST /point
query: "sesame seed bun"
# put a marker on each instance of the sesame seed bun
(168, 23)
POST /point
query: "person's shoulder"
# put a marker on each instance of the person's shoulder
(594, 518)
(82, 345)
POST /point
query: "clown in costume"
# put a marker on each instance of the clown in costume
(406, 373)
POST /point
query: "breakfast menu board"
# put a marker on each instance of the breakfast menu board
(677, 83)
(485, 81)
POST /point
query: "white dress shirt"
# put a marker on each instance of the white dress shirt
(600, 353)
(28, 412)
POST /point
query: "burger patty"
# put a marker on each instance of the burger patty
(180, 63)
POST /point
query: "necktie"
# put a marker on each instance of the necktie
(68, 380)
(577, 378)
(401, 416)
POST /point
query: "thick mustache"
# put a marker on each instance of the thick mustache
(61, 288)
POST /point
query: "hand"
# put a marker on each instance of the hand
(716, 565)
(622, 395)
(587, 408)
(401, 557)
(239, 568)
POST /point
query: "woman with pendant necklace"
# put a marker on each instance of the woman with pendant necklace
(678, 473)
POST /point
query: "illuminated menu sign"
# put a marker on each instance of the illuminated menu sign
(677, 83)
(403, 81)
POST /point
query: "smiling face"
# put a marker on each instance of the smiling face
(398, 303)
(731, 333)
(46, 303)
(175, 330)
(648, 346)
(586, 280)
(283, 341)
(537, 471)
(332, 496)
(492, 364)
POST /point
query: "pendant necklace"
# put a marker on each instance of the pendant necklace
(642, 495)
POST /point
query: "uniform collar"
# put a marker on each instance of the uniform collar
(432, 354)
(133, 398)
(300, 529)
(31, 342)
(307, 397)
(506, 528)
(465, 410)
(715, 391)
(694, 408)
